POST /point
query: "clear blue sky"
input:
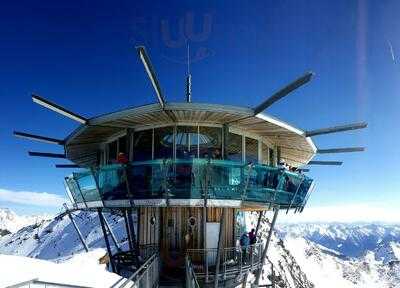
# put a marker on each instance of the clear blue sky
(81, 56)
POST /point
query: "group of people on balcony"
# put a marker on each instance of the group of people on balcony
(246, 241)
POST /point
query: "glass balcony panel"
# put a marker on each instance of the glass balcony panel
(146, 179)
(189, 179)
(74, 189)
(87, 185)
(181, 181)
(225, 179)
(112, 182)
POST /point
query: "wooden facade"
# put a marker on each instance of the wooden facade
(176, 229)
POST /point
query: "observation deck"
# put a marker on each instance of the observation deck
(162, 183)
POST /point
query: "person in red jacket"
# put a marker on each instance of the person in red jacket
(122, 159)
(252, 237)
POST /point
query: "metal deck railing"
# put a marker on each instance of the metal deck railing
(36, 283)
(235, 262)
(147, 276)
(191, 278)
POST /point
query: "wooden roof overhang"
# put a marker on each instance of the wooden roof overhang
(82, 144)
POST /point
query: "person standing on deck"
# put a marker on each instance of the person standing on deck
(244, 244)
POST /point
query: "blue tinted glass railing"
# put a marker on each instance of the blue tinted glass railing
(86, 183)
(191, 179)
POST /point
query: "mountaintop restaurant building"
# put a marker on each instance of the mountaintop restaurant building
(182, 175)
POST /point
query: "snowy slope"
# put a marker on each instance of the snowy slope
(57, 239)
(289, 272)
(84, 267)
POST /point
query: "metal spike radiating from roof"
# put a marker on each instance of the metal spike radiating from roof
(144, 57)
(283, 92)
(334, 163)
(38, 138)
(59, 109)
(46, 154)
(341, 150)
(335, 129)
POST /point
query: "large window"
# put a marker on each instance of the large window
(271, 157)
(264, 154)
(251, 150)
(142, 142)
(186, 140)
(210, 142)
(163, 143)
(122, 145)
(112, 152)
(234, 147)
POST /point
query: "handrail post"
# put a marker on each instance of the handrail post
(187, 271)
(241, 261)
(294, 196)
(252, 256)
(220, 245)
(244, 192)
(224, 264)
(258, 275)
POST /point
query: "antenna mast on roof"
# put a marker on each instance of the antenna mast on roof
(188, 78)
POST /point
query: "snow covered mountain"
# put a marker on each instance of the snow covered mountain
(352, 240)
(349, 255)
(11, 222)
(304, 255)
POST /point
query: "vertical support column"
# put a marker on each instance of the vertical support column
(220, 245)
(264, 255)
(225, 134)
(135, 239)
(278, 155)
(128, 230)
(130, 139)
(103, 227)
(205, 220)
(77, 229)
(260, 215)
(111, 233)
